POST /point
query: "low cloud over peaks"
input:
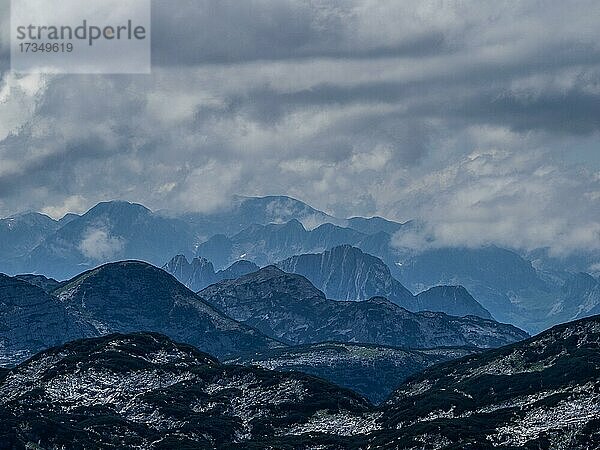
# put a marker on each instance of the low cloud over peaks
(99, 245)
(468, 116)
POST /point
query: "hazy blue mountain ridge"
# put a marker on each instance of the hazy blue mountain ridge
(289, 308)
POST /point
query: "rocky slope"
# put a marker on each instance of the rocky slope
(579, 297)
(145, 391)
(373, 371)
(290, 308)
(540, 393)
(134, 296)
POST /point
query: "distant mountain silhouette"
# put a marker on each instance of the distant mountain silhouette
(200, 273)
(347, 273)
(532, 290)
(110, 231)
(19, 235)
(267, 244)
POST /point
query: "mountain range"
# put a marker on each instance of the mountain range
(289, 308)
(347, 273)
(144, 390)
(530, 289)
(342, 273)
(130, 296)
(281, 326)
(117, 297)
(505, 284)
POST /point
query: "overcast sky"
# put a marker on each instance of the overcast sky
(481, 118)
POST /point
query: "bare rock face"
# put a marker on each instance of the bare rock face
(540, 393)
(145, 391)
(195, 275)
(348, 273)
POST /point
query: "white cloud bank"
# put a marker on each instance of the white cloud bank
(99, 245)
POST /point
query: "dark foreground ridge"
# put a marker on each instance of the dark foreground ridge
(143, 390)
(540, 393)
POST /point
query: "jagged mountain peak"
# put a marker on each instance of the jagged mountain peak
(347, 273)
(200, 273)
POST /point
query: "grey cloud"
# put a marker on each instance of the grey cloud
(358, 108)
(226, 32)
